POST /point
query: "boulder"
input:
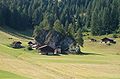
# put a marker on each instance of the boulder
(66, 42)
(54, 39)
(41, 37)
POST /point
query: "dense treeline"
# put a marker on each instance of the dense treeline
(66, 16)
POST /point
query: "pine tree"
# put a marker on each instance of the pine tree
(58, 27)
(70, 30)
(79, 38)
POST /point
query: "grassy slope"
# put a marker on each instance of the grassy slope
(100, 62)
(8, 75)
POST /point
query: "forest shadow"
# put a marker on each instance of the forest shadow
(86, 53)
(82, 54)
(52, 55)
(24, 34)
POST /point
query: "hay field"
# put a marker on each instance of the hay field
(100, 62)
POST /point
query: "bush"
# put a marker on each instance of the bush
(115, 36)
(29, 48)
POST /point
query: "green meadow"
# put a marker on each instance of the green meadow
(8, 75)
(99, 61)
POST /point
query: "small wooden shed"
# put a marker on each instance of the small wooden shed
(17, 44)
(46, 50)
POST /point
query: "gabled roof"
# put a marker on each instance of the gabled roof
(43, 46)
(17, 42)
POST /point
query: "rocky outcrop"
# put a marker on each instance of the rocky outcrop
(54, 39)
(66, 42)
(41, 37)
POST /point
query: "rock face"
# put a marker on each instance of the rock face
(54, 39)
(65, 43)
(41, 37)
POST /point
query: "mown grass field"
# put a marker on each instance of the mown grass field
(99, 62)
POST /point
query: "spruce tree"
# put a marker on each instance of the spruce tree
(58, 27)
(79, 38)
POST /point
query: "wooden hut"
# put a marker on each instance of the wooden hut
(17, 44)
(106, 40)
(46, 50)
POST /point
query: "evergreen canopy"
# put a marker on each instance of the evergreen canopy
(100, 16)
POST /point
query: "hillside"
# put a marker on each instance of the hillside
(99, 17)
(99, 62)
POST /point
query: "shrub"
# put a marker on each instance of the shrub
(115, 36)
(29, 48)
